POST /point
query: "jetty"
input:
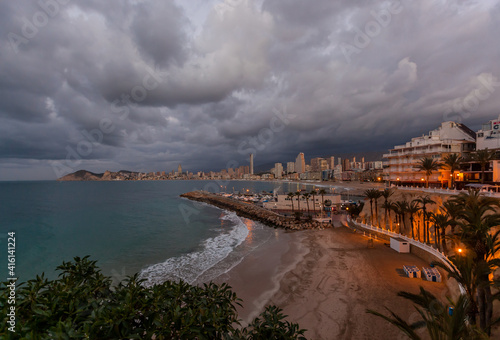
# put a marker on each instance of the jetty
(255, 212)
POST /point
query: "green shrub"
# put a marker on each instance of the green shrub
(83, 304)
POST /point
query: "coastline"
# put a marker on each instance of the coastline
(325, 279)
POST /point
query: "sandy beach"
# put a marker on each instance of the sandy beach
(326, 279)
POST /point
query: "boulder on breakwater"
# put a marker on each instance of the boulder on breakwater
(254, 212)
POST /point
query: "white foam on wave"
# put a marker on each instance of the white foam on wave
(191, 266)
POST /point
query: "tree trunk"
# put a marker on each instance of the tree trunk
(418, 230)
(371, 209)
(489, 308)
(412, 229)
(481, 304)
(485, 303)
(404, 223)
(423, 223)
(443, 241)
(436, 237)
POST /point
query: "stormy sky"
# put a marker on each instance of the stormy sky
(146, 85)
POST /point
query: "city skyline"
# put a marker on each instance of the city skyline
(145, 86)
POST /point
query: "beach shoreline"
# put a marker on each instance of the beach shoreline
(325, 280)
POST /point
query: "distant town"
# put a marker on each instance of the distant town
(400, 166)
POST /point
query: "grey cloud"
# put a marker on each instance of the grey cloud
(177, 90)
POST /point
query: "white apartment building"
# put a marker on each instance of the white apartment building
(489, 135)
(290, 167)
(449, 138)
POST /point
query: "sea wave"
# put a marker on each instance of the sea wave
(191, 266)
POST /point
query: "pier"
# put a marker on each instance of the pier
(256, 213)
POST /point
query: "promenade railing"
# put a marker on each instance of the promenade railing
(425, 247)
(446, 191)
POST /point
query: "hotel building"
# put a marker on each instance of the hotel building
(489, 136)
(278, 170)
(300, 163)
(449, 138)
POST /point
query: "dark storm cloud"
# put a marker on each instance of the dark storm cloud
(146, 85)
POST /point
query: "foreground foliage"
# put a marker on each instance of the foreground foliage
(435, 319)
(83, 304)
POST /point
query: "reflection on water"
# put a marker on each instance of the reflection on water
(250, 226)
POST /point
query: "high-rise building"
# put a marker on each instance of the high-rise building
(290, 167)
(179, 170)
(300, 163)
(346, 165)
(318, 164)
(315, 164)
(278, 170)
(331, 163)
(251, 164)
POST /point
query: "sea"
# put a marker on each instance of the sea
(128, 227)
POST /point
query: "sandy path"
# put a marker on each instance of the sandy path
(339, 277)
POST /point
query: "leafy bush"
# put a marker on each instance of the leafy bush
(82, 304)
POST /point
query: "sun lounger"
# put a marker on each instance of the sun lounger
(432, 274)
(412, 271)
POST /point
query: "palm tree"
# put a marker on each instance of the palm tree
(483, 157)
(477, 218)
(306, 196)
(401, 209)
(291, 196)
(313, 194)
(424, 201)
(372, 194)
(377, 194)
(441, 222)
(435, 318)
(322, 192)
(452, 162)
(386, 193)
(466, 272)
(428, 165)
(452, 209)
(412, 209)
(387, 206)
(298, 194)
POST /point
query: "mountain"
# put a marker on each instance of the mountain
(81, 175)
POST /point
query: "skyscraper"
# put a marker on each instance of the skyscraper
(179, 169)
(331, 163)
(278, 170)
(300, 163)
(251, 164)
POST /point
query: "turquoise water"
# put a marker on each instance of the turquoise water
(128, 227)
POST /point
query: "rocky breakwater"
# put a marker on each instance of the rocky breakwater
(254, 212)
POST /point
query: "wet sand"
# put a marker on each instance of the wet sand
(326, 279)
